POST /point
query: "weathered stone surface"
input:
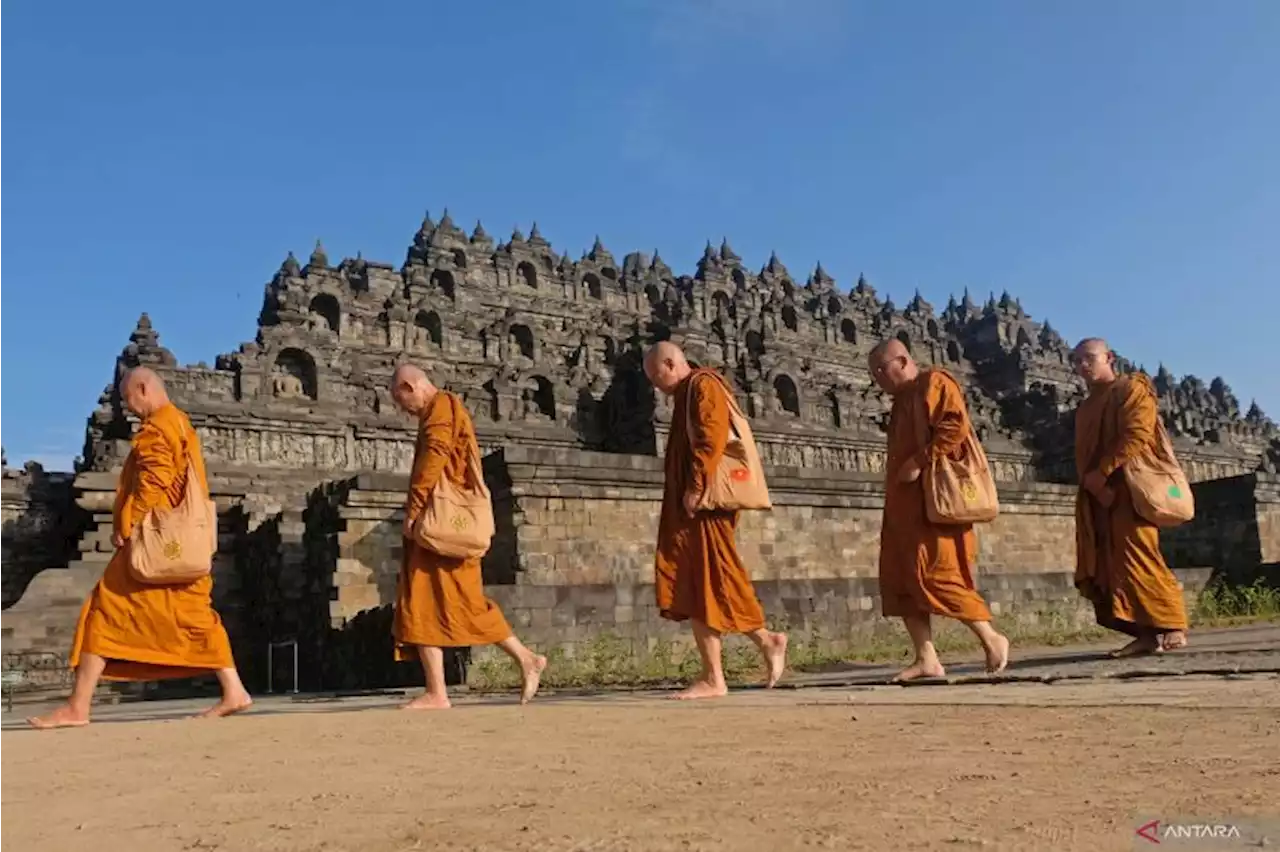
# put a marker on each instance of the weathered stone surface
(40, 523)
(307, 454)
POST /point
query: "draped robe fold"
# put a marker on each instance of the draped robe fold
(148, 632)
(1119, 567)
(440, 600)
(926, 569)
(698, 572)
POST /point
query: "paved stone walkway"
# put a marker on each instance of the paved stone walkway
(1249, 657)
(1253, 649)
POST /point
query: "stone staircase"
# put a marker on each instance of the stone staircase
(44, 619)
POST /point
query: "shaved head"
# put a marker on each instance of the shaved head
(142, 391)
(409, 374)
(666, 366)
(1094, 362)
(411, 389)
(886, 349)
(892, 366)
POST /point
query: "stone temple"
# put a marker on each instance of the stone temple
(308, 457)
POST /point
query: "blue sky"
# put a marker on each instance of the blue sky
(1114, 165)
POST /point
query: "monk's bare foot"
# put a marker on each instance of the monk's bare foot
(1137, 648)
(1173, 641)
(428, 701)
(919, 669)
(702, 689)
(530, 677)
(998, 654)
(228, 706)
(64, 717)
(775, 659)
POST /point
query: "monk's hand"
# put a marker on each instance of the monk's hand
(409, 521)
(117, 540)
(1095, 483)
(1106, 497)
(691, 500)
(910, 470)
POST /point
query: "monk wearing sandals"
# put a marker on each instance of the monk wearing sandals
(1119, 567)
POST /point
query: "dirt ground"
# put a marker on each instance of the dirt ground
(1016, 766)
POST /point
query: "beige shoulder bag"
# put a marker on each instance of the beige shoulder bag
(738, 481)
(176, 546)
(458, 522)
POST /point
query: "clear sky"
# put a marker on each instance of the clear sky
(1114, 165)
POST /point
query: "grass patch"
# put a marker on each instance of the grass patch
(1221, 604)
(610, 660)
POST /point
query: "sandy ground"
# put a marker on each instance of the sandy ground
(1014, 766)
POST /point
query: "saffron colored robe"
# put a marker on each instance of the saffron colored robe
(150, 632)
(698, 573)
(926, 569)
(1119, 566)
(440, 600)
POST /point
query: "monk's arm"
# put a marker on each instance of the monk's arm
(435, 446)
(154, 473)
(948, 423)
(1137, 431)
(710, 431)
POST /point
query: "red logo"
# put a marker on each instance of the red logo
(739, 474)
(1148, 832)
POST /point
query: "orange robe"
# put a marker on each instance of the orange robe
(440, 601)
(150, 632)
(926, 569)
(1118, 562)
(698, 573)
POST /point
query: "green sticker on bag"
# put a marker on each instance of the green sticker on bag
(1175, 492)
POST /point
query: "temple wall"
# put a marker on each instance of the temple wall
(40, 524)
(1236, 527)
(307, 453)
(573, 557)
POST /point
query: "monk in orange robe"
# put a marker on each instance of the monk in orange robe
(1119, 567)
(926, 569)
(440, 600)
(131, 631)
(699, 576)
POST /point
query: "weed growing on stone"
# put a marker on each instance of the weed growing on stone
(1223, 604)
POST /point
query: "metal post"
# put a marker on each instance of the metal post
(271, 646)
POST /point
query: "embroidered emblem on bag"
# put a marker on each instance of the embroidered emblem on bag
(1175, 492)
(739, 474)
(172, 549)
(459, 522)
(969, 491)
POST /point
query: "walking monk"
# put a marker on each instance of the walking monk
(1118, 563)
(926, 569)
(440, 601)
(699, 575)
(137, 632)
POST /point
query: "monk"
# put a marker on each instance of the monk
(1119, 567)
(926, 569)
(130, 631)
(440, 600)
(699, 576)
